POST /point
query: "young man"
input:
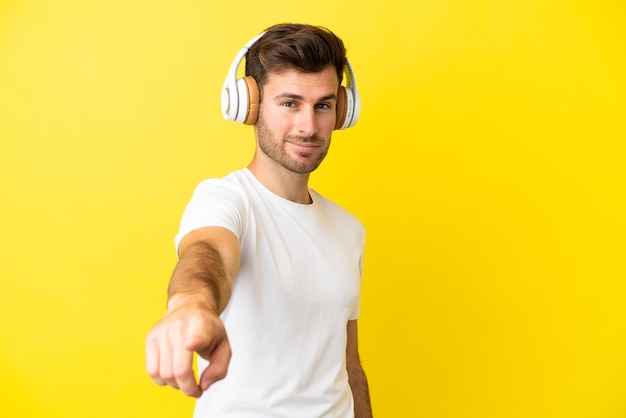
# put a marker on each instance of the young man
(267, 266)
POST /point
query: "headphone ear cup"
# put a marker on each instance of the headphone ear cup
(342, 107)
(252, 111)
(242, 101)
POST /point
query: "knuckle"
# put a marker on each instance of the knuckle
(221, 374)
(220, 371)
(167, 376)
(180, 375)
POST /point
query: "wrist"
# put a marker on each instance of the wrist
(203, 300)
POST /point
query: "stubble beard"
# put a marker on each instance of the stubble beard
(275, 149)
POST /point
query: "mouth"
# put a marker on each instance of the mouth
(304, 146)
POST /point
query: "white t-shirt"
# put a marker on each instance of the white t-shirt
(297, 287)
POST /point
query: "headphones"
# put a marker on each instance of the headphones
(240, 96)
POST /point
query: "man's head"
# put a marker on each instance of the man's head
(292, 95)
(304, 48)
(289, 47)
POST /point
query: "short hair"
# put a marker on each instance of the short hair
(300, 47)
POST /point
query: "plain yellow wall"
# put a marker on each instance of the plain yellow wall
(488, 167)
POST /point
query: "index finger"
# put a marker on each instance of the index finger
(217, 369)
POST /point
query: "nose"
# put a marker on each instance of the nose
(306, 123)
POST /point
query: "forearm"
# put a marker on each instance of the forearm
(200, 273)
(360, 389)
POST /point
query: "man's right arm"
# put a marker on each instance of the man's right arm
(198, 292)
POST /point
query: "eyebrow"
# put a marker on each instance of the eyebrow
(298, 97)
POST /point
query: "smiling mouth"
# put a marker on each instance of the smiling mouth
(304, 143)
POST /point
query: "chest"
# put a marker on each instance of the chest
(302, 261)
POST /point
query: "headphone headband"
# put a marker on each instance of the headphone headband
(240, 96)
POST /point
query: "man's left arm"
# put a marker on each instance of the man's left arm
(356, 375)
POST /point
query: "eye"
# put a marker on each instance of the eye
(288, 104)
(322, 106)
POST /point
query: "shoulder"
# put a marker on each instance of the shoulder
(228, 187)
(220, 202)
(219, 199)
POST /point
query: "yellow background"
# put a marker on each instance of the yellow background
(488, 167)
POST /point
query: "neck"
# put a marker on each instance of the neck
(282, 182)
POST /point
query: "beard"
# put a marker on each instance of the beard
(301, 162)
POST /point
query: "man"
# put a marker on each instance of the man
(266, 265)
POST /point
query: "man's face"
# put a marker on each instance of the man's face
(296, 118)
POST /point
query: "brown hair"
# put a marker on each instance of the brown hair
(304, 48)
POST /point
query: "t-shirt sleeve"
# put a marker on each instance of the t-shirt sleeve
(357, 309)
(215, 202)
